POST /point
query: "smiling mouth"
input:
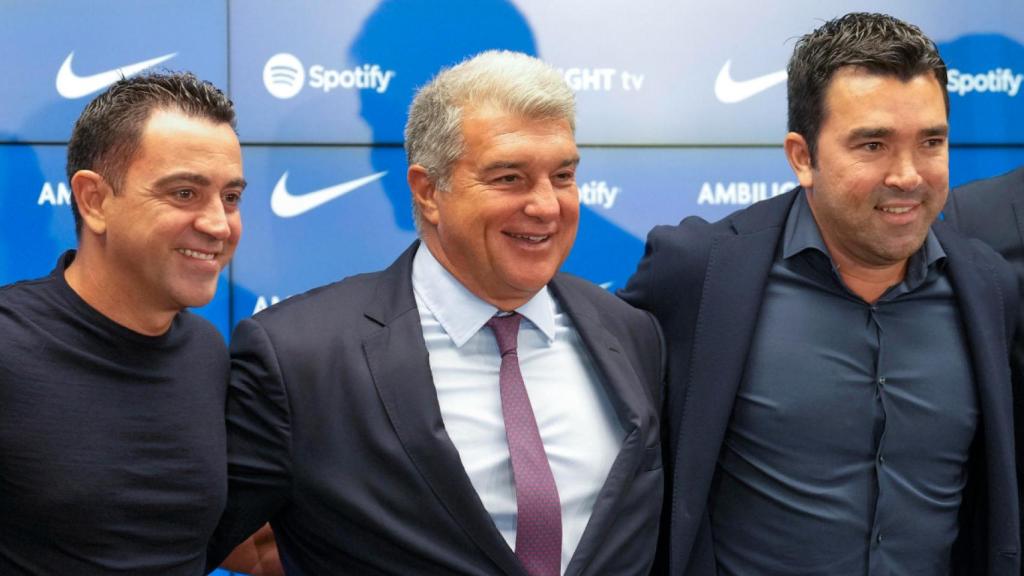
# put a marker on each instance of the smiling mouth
(196, 254)
(529, 238)
(897, 210)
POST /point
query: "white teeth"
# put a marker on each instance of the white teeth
(529, 238)
(902, 210)
(196, 255)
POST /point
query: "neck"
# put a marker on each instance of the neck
(88, 277)
(868, 282)
(505, 303)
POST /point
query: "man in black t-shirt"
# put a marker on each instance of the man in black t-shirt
(112, 454)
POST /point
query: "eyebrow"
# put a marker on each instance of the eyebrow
(197, 179)
(506, 165)
(869, 133)
(940, 130)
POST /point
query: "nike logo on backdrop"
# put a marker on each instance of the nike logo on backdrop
(730, 91)
(286, 205)
(71, 85)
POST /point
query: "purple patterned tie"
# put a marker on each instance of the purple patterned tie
(539, 522)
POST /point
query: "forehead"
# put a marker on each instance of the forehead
(173, 134)
(164, 123)
(856, 95)
(490, 130)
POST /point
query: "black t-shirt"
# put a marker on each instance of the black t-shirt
(112, 450)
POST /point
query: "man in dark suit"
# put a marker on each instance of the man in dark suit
(390, 424)
(839, 392)
(992, 210)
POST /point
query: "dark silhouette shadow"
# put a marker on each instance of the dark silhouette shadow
(418, 38)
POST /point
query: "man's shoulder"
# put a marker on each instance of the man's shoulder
(341, 302)
(571, 286)
(24, 289)
(695, 233)
(335, 300)
(1007, 186)
(984, 207)
(199, 330)
(28, 299)
(961, 247)
(572, 289)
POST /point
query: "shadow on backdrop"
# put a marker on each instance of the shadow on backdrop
(419, 38)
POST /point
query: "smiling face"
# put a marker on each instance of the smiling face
(174, 223)
(510, 217)
(882, 170)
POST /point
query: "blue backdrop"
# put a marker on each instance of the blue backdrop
(669, 122)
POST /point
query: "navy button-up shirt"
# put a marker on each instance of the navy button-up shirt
(847, 448)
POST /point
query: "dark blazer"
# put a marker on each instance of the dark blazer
(335, 435)
(705, 283)
(992, 210)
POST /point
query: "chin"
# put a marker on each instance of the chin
(196, 299)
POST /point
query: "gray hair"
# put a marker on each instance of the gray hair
(511, 81)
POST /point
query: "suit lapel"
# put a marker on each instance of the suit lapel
(621, 383)
(1016, 190)
(625, 393)
(1018, 213)
(734, 282)
(399, 365)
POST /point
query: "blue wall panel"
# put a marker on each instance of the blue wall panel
(682, 110)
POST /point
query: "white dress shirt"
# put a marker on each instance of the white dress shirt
(577, 424)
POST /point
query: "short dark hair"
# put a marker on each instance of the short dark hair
(108, 133)
(878, 43)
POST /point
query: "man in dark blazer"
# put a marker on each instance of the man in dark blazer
(992, 210)
(364, 418)
(838, 400)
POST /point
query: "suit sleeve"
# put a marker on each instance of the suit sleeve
(642, 287)
(258, 440)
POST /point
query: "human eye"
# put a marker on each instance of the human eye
(507, 179)
(566, 176)
(871, 146)
(934, 142)
(184, 194)
(232, 198)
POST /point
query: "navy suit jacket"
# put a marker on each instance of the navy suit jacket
(705, 283)
(992, 210)
(335, 435)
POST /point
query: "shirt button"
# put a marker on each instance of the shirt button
(881, 381)
(881, 460)
(879, 538)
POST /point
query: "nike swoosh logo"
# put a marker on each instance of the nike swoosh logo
(286, 205)
(71, 85)
(730, 91)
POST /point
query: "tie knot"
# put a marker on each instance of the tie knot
(506, 330)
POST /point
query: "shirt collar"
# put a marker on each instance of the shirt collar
(802, 234)
(461, 313)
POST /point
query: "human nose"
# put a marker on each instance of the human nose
(213, 220)
(543, 203)
(903, 173)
